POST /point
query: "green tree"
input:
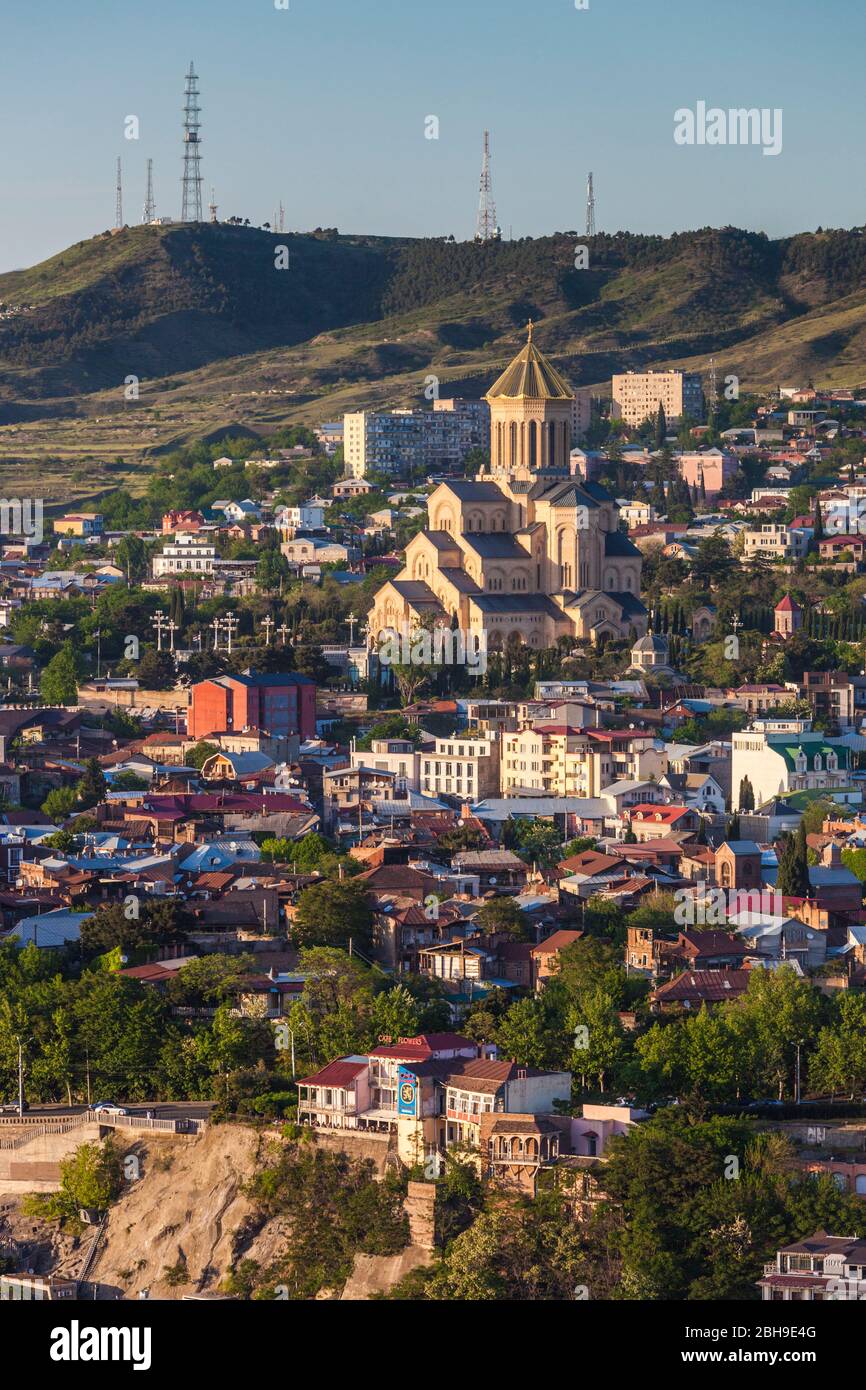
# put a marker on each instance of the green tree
(333, 914)
(59, 681)
(503, 915)
(747, 795)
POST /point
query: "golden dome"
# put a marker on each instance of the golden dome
(531, 377)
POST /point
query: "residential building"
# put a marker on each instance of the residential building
(186, 553)
(636, 396)
(430, 1091)
(708, 470)
(396, 755)
(414, 442)
(831, 697)
(818, 1269)
(780, 756)
(464, 765)
(82, 524)
(775, 541)
(279, 705)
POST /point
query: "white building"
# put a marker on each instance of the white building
(785, 755)
(466, 766)
(185, 553)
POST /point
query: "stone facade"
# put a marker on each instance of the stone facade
(524, 551)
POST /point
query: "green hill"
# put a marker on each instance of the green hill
(217, 334)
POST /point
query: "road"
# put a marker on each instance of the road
(161, 1110)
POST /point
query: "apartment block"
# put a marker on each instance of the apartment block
(407, 442)
(636, 396)
(465, 766)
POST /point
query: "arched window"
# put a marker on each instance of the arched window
(532, 443)
(818, 763)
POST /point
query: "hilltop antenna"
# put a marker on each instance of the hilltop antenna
(713, 387)
(212, 206)
(149, 213)
(118, 205)
(282, 217)
(486, 228)
(191, 210)
(590, 207)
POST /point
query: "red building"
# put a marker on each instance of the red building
(279, 705)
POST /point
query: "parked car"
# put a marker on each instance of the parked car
(11, 1107)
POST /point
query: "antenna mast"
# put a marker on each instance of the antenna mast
(486, 228)
(191, 210)
(212, 206)
(590, 208)
(713, 389)
(149, 213)
(118, 206)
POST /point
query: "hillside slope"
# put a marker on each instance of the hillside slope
(217, 334)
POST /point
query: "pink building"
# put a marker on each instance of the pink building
(591, 1134)
(712, 467)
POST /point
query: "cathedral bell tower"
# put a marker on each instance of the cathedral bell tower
(531, 416)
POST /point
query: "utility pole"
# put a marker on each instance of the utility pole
(216, 633)
(350, 623)
(98, 652)
(267, 624)
(283, 632)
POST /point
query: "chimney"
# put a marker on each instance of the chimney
(831, 856)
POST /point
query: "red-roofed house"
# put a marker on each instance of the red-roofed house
(651, 822)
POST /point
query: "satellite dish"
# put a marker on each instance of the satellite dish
(492, 880)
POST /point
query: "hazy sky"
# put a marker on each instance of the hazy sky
(324, 105)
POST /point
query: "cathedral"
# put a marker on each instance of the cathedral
(525, 548)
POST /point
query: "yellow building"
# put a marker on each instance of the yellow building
(636, 396)
(524, 550)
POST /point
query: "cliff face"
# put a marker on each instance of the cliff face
(173, 1231)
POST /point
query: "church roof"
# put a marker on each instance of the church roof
(516, 603)
(651, 643)
(494, 545)
(531, 377)
(615, 543)
(469, 491)
(443, 540)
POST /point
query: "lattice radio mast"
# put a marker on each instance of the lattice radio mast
(590, 208)
(713, 388)
(486, 228)
(149, 213)
(191, 210)
(212, 206)
(118, 204)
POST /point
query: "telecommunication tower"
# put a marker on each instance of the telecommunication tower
(118, 204)
(590, 208)
(713, 388)
(212, 206)
(191, 209)
(149, 212)
(486, 228)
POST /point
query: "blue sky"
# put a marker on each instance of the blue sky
(324, 105)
